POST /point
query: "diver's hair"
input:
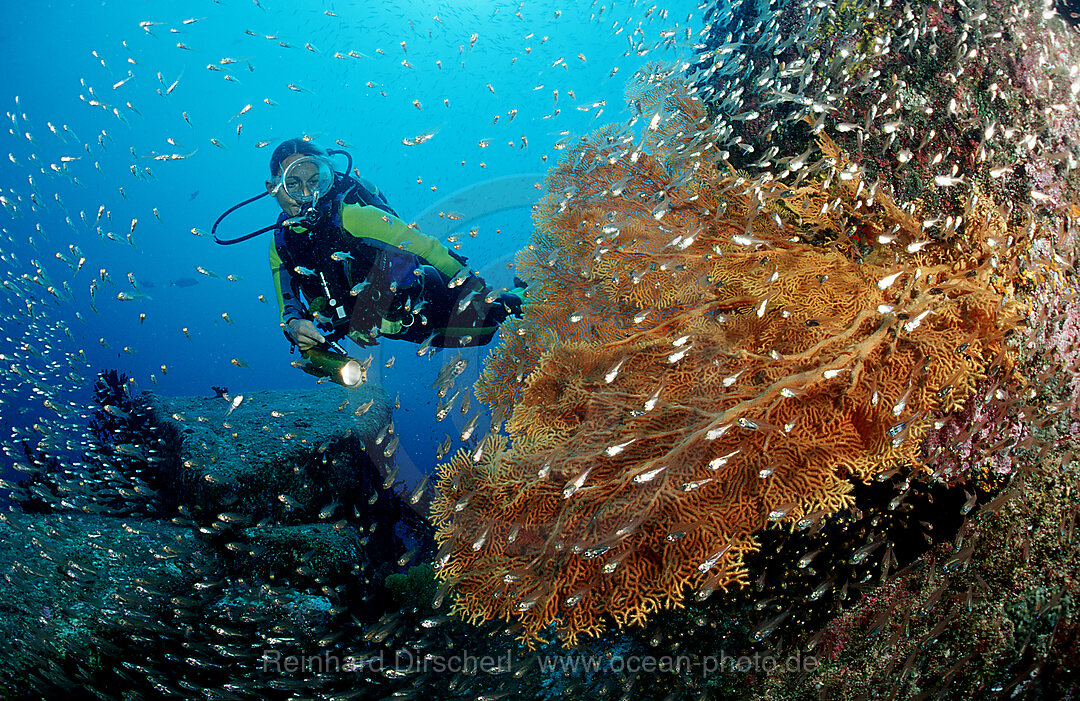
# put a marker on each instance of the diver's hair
(291, 147)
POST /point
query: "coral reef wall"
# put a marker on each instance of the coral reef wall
(928, 98)
(704, 354)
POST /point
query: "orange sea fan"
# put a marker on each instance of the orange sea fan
(693, 367)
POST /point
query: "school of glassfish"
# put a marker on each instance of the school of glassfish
(772, 90)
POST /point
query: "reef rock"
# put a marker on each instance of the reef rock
(79, 586)
(285, 454)
(329, 551)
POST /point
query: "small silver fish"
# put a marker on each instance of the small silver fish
(470, 427)
(419, 490)
(116, 411)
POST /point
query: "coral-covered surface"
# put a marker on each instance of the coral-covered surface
(251, 453)
(929, 98)
(102, 575)
(980, 617)
(223, 532)
(703, 354)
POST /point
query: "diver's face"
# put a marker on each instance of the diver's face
(302, 179)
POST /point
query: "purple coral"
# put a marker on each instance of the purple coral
(975, 442)
(1055, 334)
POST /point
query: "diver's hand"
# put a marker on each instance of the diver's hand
(304, 333)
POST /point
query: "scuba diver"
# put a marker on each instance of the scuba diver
(345, 265)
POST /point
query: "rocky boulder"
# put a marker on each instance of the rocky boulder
(288, 455)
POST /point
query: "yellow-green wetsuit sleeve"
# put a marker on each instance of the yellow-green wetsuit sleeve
(288, 295)
(366, 221)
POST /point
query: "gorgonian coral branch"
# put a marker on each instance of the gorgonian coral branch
(702, 355)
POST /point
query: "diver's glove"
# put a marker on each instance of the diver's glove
(303, 333)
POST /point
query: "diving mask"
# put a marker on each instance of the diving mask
(307, 179)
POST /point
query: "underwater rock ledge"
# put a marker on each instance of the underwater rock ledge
(197, 523)
(74, 583)
(278, 453)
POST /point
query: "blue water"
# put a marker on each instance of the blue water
(61, 57)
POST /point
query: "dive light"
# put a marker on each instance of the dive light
(334, 366)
